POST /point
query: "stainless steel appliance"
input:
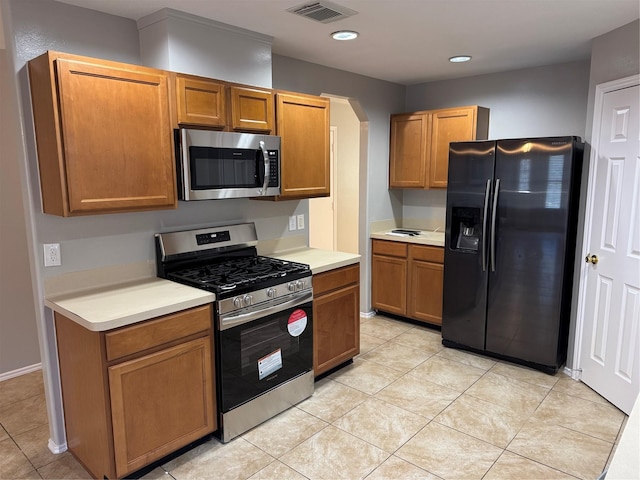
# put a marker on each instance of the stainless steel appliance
(214, 165)
(510, 237)
(262, 315)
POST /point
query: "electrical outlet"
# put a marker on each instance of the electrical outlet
(292, 223)
(301, 221)
(52, 255)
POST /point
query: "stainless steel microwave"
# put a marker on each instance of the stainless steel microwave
(214, 165)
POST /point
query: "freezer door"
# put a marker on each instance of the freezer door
(530, 275)
(469, 188)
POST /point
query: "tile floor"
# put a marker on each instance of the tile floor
(407, 408)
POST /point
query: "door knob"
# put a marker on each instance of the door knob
(591, 259)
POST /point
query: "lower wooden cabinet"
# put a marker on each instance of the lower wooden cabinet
(407, 280)
(336, 317)
(136, 394)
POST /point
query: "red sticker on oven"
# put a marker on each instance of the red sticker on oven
(297, 322)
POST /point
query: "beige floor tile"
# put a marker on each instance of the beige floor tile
(67, 468)
(381, 424)
(519, 397)
(368, 377)
(566, 450)
(422, 338)
(13, 463)
(526, 374)
(369, 342)
(575, 388)
(15, 421)
(384, 328)
(511, 466)
(484, 420)
(484, 363)
(156, 474)
(283, 432)
(454, 375)
(395, 468)
(33, 444)
(235, 460)
(20, 388)
(600, 421)
(277, 471)
(398, 356)
(418, 396)
(334, 454)
(448, 453)
(3, 434)
(331, 400)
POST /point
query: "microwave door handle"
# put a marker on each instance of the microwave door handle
(267, 168)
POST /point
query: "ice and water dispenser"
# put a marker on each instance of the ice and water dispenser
(466, 227)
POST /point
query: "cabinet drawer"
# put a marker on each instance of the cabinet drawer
(427, 254)
(334, 279)
(145, 335)
(392, 249)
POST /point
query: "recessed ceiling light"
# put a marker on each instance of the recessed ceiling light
(460, 58)
(344, 35)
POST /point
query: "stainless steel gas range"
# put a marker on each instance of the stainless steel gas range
(263, 320)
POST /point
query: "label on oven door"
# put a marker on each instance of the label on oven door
(297, 322)
(269, 364)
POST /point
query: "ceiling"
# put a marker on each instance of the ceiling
(410, 41)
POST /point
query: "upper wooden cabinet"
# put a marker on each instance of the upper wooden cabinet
(103, 135)
(200, 101)
(303, 124)
(419, 143)
(252, 109)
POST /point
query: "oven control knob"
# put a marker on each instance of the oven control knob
(272, 293)
(291, 286)
(237, 302)
(246, 300)
(299, 285)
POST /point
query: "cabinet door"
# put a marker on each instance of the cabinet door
(200, 102)
(449, 125)
(336, 328)
(116, 138)
(251, 110)
(425, 291)
(303, 125)
(408, 151)
(161, 402)
(389, 284)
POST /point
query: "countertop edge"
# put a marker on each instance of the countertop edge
(319, 260)
(434, 239)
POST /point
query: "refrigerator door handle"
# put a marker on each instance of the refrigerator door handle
(484, 224)
(493, 225)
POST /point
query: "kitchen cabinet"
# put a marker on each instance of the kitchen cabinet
(200, 102)
(419, 143)
(252, 110)
(135, 394)
(336, 317)
(407, 279)
(302, 121)
(103, 135)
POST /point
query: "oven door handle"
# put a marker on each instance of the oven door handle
(230, 321)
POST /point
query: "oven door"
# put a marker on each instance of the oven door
(261, 348)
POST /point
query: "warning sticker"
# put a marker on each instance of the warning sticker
(269, 364)
(297, 322)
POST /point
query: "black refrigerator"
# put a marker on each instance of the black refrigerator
(511, 221)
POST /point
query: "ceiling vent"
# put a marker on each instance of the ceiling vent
(323, 12)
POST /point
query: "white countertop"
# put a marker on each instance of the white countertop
(108, 307)
(319, 260)
(435, 239)
(112, 305)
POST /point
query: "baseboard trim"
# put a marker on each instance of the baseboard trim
(20, 371)
(370, 314)
(575, 374)
(55, 448)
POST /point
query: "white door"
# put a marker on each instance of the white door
(322, 214)
(609, 349)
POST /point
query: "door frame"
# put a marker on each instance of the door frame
(601, 90)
